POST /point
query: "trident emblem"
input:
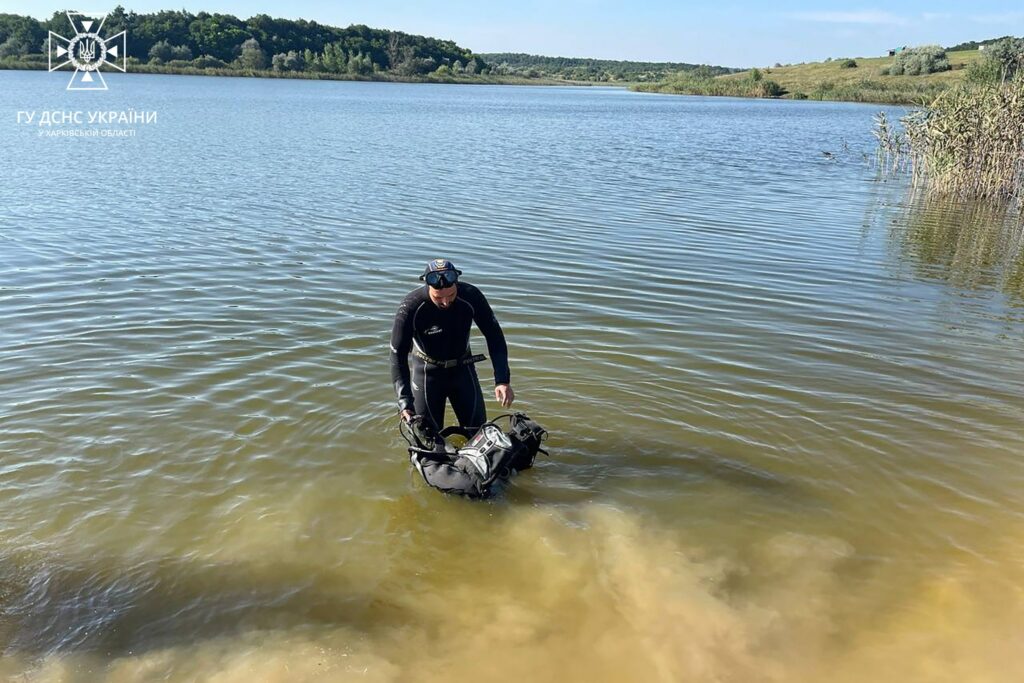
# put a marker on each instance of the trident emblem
(87, 51)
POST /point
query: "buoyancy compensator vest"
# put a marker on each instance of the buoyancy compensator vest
(479, 468)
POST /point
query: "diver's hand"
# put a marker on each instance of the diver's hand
(406, 415)
(504, 394)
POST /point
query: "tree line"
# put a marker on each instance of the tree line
(178, 38)
(582, 69)
(259, 42)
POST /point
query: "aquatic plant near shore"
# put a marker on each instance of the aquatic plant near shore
(699, 83)
(968, 142)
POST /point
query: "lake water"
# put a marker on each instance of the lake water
(784, 393)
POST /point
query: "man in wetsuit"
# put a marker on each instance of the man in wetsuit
(433, 324)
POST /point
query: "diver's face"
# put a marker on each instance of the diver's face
(443, 298)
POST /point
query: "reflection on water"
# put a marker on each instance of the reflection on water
(971, 245)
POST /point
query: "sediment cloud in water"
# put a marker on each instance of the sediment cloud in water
(596, 594)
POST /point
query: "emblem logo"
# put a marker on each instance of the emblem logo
(87, 51)
(433, 329)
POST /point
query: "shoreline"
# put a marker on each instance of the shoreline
(646, 88)
(323, 76)
(895, 101)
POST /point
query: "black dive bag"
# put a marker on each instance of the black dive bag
(480, 467)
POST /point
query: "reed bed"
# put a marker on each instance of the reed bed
(687, 84)
(969, 142)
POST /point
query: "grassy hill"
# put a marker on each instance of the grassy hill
(830, 80)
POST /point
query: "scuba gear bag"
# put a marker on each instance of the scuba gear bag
(480, 467)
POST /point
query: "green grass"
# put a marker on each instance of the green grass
(867, 82)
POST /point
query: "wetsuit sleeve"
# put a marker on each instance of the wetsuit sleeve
(401, 345)
(496, 346)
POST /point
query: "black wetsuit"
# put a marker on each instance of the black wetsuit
(443, 335)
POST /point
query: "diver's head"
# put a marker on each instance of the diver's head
(441, 276)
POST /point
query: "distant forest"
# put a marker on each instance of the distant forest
(204, 40)
(579, 69)
(183, 42)
(975, 44)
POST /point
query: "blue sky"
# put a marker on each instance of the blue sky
(727, 33)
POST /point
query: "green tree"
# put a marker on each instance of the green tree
(165, 52)
(19, 35)
(146, 30)
(218, 35)
(12, 47)
(287, 61)
(1008, 53)
(160, 52)
(356, 64)
(252, 56)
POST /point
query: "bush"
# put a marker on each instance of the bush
(12, 47)
(918, 61)
(181, 53)
(985, 71)
(287, 61)
(848, 64)
(1008, 53)
(162, 51)
(768, 88)
(208, 62)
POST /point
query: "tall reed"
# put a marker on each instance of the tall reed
(969, 142)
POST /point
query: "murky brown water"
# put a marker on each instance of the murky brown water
(784, 395)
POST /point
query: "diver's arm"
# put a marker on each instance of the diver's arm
(496, 346)
(401, 345)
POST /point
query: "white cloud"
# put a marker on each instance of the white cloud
(859, 17)
(1004, 18)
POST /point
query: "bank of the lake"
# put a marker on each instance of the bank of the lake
(382, 76)
(833, 80)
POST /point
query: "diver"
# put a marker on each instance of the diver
(432, 324)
